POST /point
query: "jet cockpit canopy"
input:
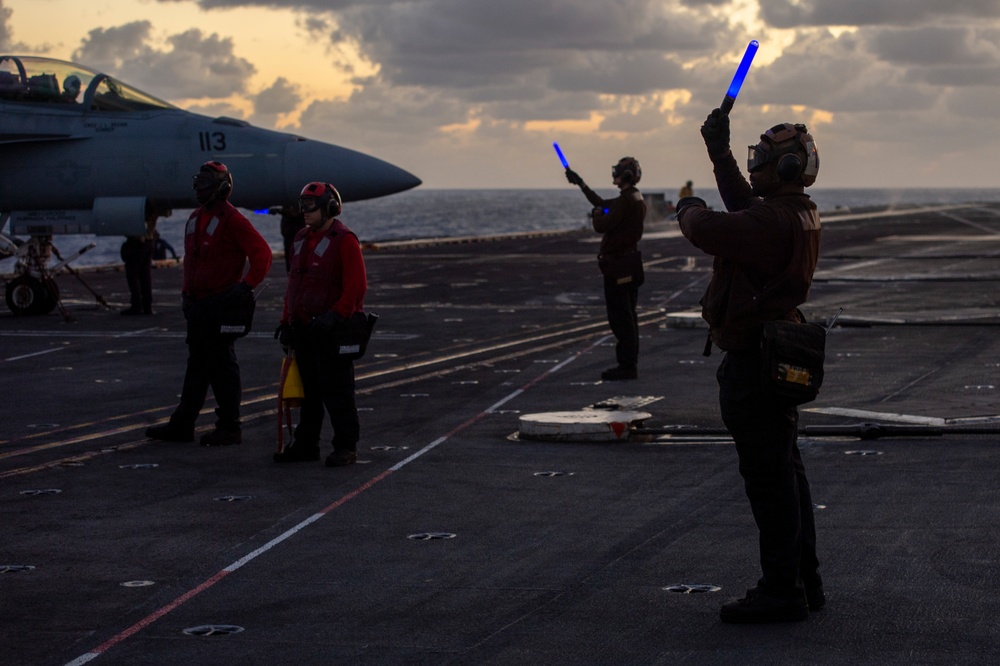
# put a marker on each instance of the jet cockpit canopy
(46, 81)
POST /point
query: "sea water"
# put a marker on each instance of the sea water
(428, 213)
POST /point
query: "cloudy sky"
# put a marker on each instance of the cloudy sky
(472, 93)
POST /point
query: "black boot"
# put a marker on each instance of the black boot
(222, 437)
(757, 607)
(297, 452)
(619, 373)
(171, 432)
(342, 458)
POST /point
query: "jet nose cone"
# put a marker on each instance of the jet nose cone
(355, 175)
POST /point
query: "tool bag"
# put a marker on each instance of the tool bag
(792, 356)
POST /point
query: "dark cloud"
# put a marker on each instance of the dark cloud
(315, 24)
(522, 60)
(935, 45)
(797, 13)
(415, 42)
(619, 74)
(958, 77)
(452, 81)
(468, 44)
(975, 103)
(645, 119)
(195, 66)
(397, 113)
(820, 71)
(543, 106)
(107, 49)
(280, 97)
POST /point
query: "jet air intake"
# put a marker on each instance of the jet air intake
(110, 216)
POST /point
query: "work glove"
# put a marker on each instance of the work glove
(240, 293)
(715, 132)
(574, 178)
(285, 336)
(689, 201)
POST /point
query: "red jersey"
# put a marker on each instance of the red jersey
(218, 242)
(327, 274)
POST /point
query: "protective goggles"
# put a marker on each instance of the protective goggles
(757, 157)
(309, 205)
(205, 181)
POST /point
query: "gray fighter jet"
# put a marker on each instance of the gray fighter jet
(81, 152)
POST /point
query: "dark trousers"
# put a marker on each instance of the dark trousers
(327, 381)
(211, 363)
(137, 253)
(766, 434)
(621, 300)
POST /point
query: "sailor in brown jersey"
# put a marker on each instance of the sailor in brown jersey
(766, 249)
(620, 220)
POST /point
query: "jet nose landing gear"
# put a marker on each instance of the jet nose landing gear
(33, 290)
(29, 295)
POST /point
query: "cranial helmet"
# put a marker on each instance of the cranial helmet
(792, 147)
(628, 170)
(214, 175)
(326, 196)
(71, 85)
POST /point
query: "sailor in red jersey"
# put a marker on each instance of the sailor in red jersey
(218, 243)
(326, 292)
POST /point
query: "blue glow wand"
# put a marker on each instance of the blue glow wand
(741, 73)
(559, 152)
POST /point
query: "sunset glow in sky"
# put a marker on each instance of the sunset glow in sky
(472, 93)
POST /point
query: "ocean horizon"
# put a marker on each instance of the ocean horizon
(448, 213)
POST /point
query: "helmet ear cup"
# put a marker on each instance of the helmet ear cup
(225, 187)
(790, 167)
(334, 206)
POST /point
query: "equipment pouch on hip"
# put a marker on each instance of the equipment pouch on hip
(235, 311)
(792, 355)
(623, 268)
(348, 337)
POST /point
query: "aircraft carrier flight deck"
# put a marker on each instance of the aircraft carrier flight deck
(457, 540)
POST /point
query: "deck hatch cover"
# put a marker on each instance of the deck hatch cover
(692, 588)
(431, 536)
(213, 630)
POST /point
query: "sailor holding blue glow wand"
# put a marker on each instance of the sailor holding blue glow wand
(620, 220)
(765, 250)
